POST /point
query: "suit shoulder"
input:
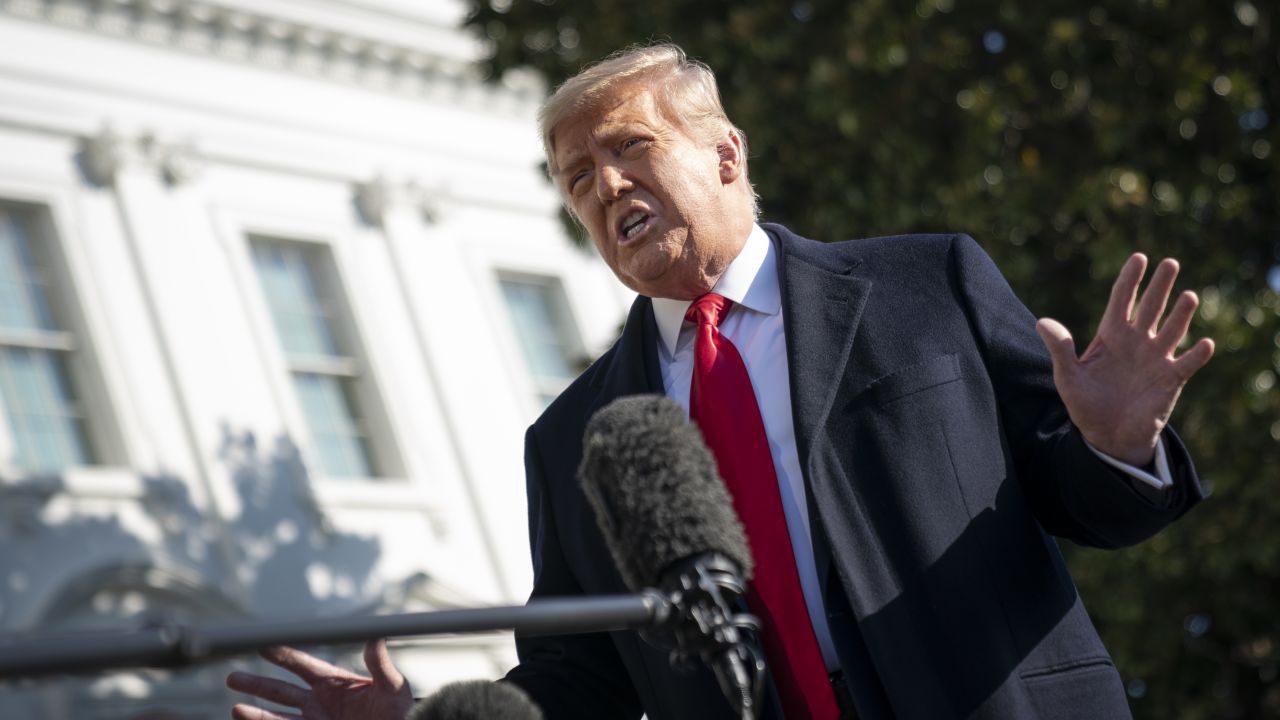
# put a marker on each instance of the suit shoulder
(906, 246)
(929, 257)
(915, 245)
(936, 257)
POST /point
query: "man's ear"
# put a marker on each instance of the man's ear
(733, 157)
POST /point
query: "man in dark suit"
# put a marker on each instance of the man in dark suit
(925, 445)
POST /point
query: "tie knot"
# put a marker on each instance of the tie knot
(710, 309)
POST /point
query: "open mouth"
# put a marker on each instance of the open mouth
(633, 224)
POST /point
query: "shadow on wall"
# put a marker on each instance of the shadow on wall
(73, 563)
(288, 555)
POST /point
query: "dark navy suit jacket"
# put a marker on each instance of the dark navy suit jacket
(938, 460)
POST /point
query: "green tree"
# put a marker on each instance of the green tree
(1063, 136)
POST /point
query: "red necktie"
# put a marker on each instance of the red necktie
(724, 407)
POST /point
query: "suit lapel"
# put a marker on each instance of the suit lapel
(822, 304)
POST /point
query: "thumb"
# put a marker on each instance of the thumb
(378, 662)
(1057, 339)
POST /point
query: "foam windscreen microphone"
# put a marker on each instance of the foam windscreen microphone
(655, 489)
(669, 522)
(476, 700)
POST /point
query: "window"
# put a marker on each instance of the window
(303, 299)
(547, 335)
(43, 419)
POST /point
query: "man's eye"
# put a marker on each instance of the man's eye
(573, 182)
(631, 142)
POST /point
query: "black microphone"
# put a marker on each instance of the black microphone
(668, 521)
(476, 700)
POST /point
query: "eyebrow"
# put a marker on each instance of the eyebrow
(621, 127)
(602, 132)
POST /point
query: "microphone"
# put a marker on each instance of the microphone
(668, 521)
(476, 700)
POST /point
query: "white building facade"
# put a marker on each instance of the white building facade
(281, 285)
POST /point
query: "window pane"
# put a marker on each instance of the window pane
(290, 285)
(546, 334)
(23, 305)
(300, 311)
(48, 435)
(35, 389)
(335, 430)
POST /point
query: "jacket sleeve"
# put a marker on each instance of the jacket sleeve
(1072, 492)
(568, 676)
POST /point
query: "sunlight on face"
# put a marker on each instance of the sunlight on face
(654, 199)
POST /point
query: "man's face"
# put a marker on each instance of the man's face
(653, 198)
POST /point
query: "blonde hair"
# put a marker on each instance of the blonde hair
(686, 92)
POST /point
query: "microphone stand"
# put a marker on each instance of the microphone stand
(175, 645)
(704, 624)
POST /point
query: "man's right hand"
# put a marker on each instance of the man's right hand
(331, 693)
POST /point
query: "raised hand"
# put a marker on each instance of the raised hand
(1121, 391)
(331, 693)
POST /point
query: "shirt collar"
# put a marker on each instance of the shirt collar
(751, 281)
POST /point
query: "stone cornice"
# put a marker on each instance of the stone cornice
(209, 28)
(178, 160)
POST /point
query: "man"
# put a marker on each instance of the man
(922, 442)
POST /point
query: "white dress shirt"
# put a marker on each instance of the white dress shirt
(754, 326)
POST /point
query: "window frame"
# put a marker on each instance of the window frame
(576, 353)
(235, 223)
(348, 367)
(57, 249)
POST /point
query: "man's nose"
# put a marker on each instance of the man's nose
(611, 183)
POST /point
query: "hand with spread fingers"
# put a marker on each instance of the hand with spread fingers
(1121, 391)
(331, 693)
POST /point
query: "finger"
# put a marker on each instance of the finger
(1124, 290)
(378, 660)
(1192, 360)
(277, 691)
(1178, 323)
(249, 712)
(1062, 348)
(307, 667)
(1156, 296)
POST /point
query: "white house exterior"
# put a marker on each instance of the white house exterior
(281, 285)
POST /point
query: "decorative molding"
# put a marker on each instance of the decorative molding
(373, 199)
(177, 587)
(102, 157)
(205, 27)
(105, 155)
(180, 162)
(377, 197)
(419, 592)
(23, 502)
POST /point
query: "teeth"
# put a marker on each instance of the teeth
(632, 223)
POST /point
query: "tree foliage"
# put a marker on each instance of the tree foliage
(1063, 136)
